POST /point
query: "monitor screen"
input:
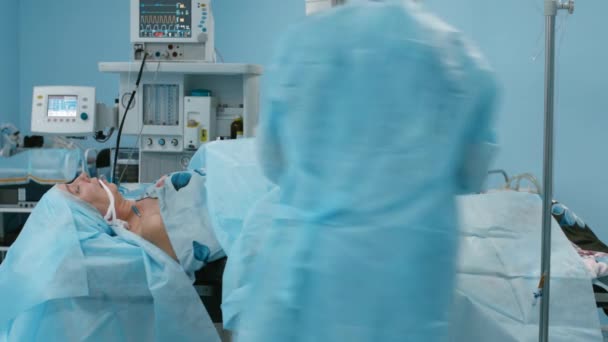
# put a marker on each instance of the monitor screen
(165, 19)
(62, 106)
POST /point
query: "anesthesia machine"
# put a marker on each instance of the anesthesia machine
(173, 96)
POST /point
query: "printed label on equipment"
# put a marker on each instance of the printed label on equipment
(203, 135)
(21, 194)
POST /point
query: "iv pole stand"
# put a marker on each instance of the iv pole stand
(551, 8)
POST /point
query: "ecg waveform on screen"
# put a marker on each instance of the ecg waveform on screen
(158, 19)
(164, 18)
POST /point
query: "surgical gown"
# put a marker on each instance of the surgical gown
(376, 115)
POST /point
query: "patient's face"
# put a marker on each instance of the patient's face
(89, 190)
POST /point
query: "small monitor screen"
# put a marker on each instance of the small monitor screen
(62, 105)
(165, 19)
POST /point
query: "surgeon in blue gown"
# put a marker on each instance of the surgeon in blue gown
(376, 115)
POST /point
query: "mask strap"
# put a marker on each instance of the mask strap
(110, 216)
(111, 213)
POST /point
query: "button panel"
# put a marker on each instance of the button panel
(157, 143)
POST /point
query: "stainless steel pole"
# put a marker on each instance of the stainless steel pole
(551, 7)
(545, 270)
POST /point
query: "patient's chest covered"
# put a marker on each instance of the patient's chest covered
(183, 204)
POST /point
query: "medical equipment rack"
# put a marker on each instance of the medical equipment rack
(3, 211)
(233, 90)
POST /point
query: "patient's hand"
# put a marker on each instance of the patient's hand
(161, 181)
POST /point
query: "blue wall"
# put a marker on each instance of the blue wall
(9, 64)
(61, 42)
(247, 30)
(511, 34)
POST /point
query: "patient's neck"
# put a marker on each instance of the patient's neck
(124, 209)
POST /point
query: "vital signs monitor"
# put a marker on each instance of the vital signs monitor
(63, 110)
(170, 30)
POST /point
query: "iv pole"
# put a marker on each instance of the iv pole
(551, 8)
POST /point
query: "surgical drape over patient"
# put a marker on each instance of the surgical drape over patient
(72, 277)
(376, 114)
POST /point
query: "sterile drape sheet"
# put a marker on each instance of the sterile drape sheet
(499, 269)
(498, 264)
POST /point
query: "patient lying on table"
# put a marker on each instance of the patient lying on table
(188, 231)
(109, 267)
(141, 217)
